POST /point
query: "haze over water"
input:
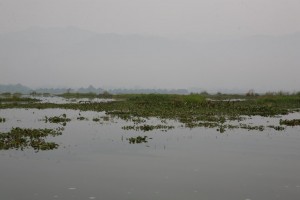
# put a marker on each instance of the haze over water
(213, 45)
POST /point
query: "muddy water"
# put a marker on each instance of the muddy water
(95, 161)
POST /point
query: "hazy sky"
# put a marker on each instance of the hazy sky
(261, 64)
(156, 17)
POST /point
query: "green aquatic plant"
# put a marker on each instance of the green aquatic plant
(249, 127)
(17, 99)
(81, 118)
(147, 127)
(138, 120)
(293, 122)
(277, 128)
(194, 110)
(21, 138)
(221, 129)
(102, 119)
(194, 124)
(105, 118)
(138, 139)
(95, 119)
(62, 119)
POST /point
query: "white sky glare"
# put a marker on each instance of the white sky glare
(141, 53)
(156, 17)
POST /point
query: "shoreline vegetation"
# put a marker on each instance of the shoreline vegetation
(217, 111)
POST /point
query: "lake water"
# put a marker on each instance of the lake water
(61, 100)
(96, 161)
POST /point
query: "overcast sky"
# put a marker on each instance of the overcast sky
(261, 66)
(156, 17)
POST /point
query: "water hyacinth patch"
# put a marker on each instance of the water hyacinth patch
(62, 119)
(138, 139)
(293, 122)
(2, 119)
(21, 138)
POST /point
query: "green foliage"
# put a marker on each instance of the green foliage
(293, 122)
(81, 118)
(17, 98)
(2, 119)
(6, 94)
(280, 98)
(193, 98)
(249, 127)
(96, 119)
(19, 138)
(277, 128)
(147, 127)
(166, 99)
(192, 110)
(62, 119)
(138, 139)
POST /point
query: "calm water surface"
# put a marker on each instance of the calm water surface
(95, 161)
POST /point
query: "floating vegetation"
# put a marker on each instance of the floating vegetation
(21, 138)
(277, 128)
(249, 127)
(147, 127)
(2, 120)
(293, 122)
(221, 129)
(62, 119)
(201, 124)
(138, 139)
(194, 110)
(81, 118)
(16, 98)
(105, 118)
(138, 120)
(95, 119)
(190, 110)
(101, 119)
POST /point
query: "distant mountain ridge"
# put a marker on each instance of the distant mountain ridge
(71, 56)
(18, 88)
